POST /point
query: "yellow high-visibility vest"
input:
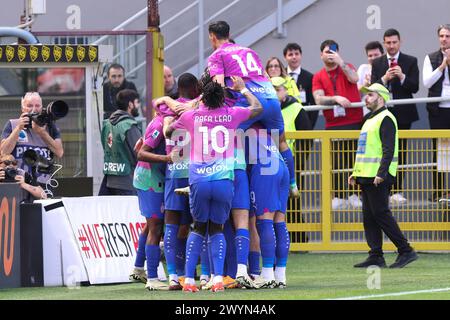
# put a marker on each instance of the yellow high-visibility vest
(370, 148)
(289, 114)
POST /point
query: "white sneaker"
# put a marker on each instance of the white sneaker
(245, 281)
(355, 202)
(138, 275)
(397, 198)
(280, 284)
(208, 285)
(156, 285)
(338, 203)
(261, 283)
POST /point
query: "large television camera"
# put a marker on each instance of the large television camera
(55, 110)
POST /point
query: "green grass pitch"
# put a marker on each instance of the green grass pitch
(310, 276)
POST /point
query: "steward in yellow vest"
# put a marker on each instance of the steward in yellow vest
(294, 116)
(374, 170)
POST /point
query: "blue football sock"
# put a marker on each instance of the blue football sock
(253, 262)
(289, 160)
(152, 252)
(181, 255)
(283, 243)
(140, 254)
(204, 259)
(242, 243)
(230, 263)
(218, 250)
(193, 249)
(211, 265)
(267, 242)
(170, 247)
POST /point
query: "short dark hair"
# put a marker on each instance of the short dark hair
(213, 93)
(220, 29)
(391, 32)
(188, 86)
(115, 66)
(124, 97)
(374, 45)
(327, 43)
(292, 46)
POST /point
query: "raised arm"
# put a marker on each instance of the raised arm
(255, 105)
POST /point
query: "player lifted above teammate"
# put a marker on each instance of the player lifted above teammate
(231, 59)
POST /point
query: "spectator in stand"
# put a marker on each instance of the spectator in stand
(374, 49)
(303, 78)
(275, 68)
(436, 77)
(170, 84)
(336, 84)
(116, 82)
(398, 72)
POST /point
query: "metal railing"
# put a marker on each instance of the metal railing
(318, 222)
(389, 103)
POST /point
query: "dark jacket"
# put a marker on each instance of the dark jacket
(436, 59)
(406, 113)
(304, 81)
(132, 136)
(109, 96)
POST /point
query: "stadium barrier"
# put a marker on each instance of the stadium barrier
(324, 160)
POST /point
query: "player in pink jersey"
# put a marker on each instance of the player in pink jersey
(230, 59)
(212, 128)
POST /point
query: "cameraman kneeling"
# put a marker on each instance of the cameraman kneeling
(22, 134)
(10, 173)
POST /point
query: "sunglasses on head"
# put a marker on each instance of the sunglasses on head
(9, 162)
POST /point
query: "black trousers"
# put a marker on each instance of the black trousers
(378, 218)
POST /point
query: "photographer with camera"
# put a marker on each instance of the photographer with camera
(35, 129)
(9, 172)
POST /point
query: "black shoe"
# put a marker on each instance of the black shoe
(372, 261)
(404, 259)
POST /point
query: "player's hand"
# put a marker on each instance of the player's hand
(170, 157)
(2, 174)
(377, 181)
(138, 145)
(351, 181)
(159, 101)
(238, 83)
(182, 108)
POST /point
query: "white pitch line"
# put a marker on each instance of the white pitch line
(394, 294)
